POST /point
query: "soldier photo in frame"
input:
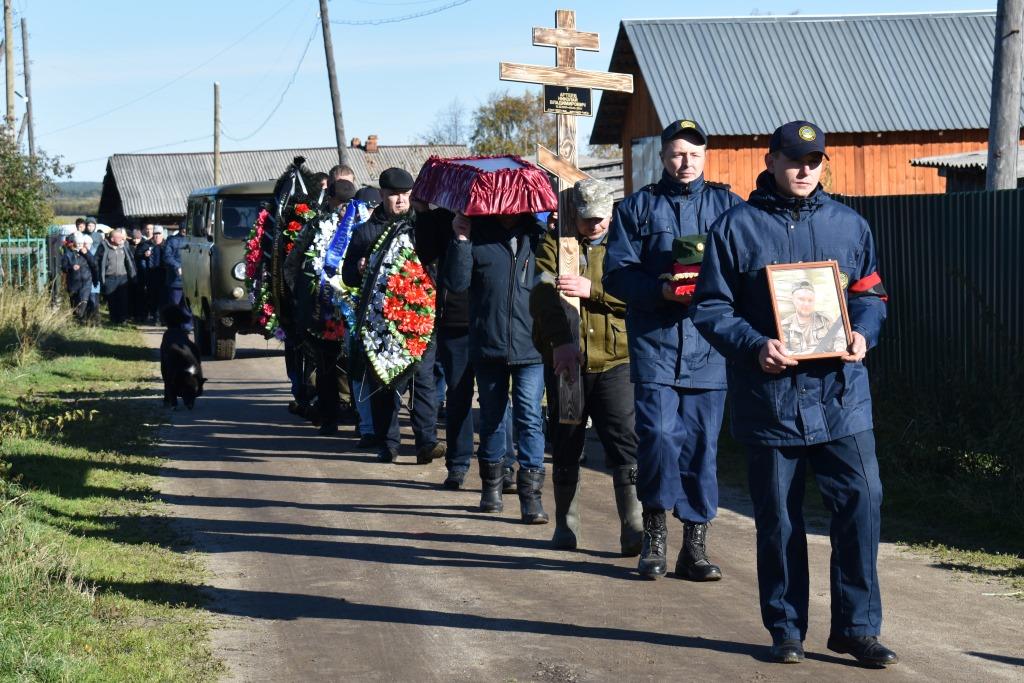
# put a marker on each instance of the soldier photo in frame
(810, 309)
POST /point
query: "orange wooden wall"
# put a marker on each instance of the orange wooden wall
(861, 163)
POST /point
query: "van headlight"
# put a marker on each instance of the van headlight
(239, 270)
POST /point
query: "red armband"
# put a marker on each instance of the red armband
(869, 286)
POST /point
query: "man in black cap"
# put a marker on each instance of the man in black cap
(678, 380)
(429, 234)
(790, 413)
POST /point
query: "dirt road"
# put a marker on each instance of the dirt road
(327, 565)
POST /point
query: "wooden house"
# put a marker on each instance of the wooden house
(886, 89)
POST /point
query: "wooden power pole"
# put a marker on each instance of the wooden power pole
(9, 61)
(28, 90)
(216, 133)
(1004, 117)
(332, 78)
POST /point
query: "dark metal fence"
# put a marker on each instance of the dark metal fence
(953, 265)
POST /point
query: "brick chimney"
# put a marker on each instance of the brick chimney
(371, 144)
(356, 142)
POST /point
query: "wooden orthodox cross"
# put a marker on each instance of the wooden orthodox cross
(574, 100)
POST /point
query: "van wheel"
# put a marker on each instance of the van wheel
(224, 347)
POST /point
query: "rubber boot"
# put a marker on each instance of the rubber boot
(653, 562)
(530, 483)
(490, 487)
(566, 482)
(693, 562)
(631, 530)
(508, 482)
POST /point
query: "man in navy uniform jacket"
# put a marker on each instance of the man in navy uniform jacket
(791, 414)
(678, 380)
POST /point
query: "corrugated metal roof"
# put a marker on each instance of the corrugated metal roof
(974, 160)
(608, 170)
(158, 184)
(847, 73)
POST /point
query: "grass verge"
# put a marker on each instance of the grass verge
(80, 529)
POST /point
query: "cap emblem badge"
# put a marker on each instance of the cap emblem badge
(807, 133)
(687, 124)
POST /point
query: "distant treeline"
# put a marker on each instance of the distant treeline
(75, 198)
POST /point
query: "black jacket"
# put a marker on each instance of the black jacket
(86, 274)
(431, 232)
(498, 279)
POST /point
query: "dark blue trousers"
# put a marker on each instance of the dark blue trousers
(453, 354)
(385, 403)
(677, 452)
(847, 475)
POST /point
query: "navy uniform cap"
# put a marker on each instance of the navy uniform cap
(677, 128)
(798, 138)
(397, 179)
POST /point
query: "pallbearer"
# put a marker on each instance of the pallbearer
(791, 414)
(679, 381)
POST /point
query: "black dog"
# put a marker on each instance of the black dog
(179, 362)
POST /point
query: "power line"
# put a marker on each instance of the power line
(145, 149)
(173, 80)
(287, 87)
(395, 20)
(287, 44)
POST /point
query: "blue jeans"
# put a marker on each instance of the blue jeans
(492, 380)
(847, 474)
(362, 406)
(677, 430)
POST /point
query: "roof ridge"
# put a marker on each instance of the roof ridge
(278, 149)
(803, 17)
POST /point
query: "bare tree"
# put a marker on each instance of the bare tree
(450, 127)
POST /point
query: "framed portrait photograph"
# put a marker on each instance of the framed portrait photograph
(810, 309)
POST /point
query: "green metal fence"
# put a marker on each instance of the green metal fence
(953, 265)
(24, 262)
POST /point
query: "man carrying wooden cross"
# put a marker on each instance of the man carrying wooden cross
(678, 379)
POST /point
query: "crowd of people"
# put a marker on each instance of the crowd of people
(653, 362)
(135, 273)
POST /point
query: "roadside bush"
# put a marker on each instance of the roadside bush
(27, 320)
(955, 453)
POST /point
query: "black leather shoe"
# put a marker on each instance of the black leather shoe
(865, 649)
(386, 455)
(787, 652)
(428, 454)
(693, 562)
(529, 484)
(454, 480)
(653, 562)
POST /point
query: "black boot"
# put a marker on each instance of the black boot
(653, 562)
(631, 531)
(693, 562)
(490, 487)
(566, 482)
(508, 482)
(530, 483)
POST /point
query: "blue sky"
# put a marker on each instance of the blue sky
(89, 58)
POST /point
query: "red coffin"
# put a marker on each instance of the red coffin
(479, 186)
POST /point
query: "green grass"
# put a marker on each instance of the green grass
(94, 584)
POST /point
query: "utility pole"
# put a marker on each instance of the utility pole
(28, 91)
(1004, 117)
(9, 60)
(216, 133)
(332, 77)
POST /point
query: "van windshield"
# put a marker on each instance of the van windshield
(237, 215)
